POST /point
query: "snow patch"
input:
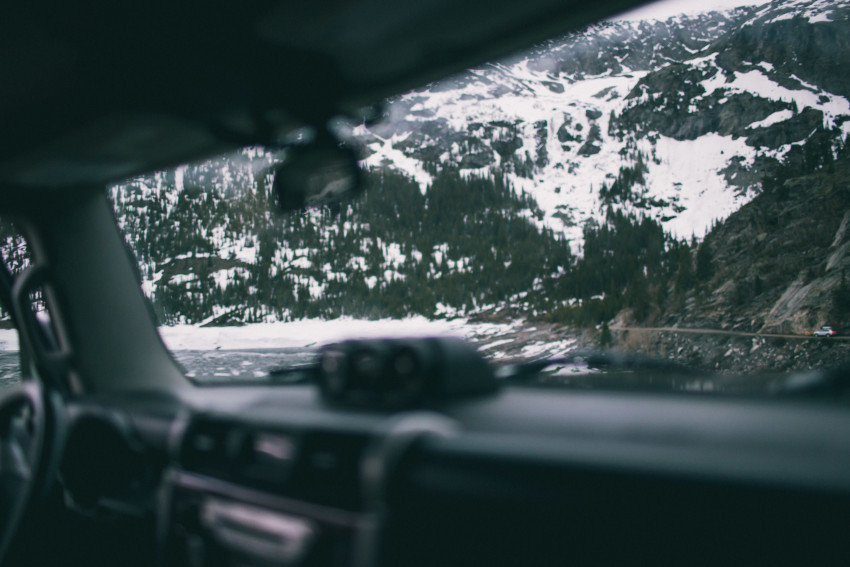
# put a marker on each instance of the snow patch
(774, 118)
(312, 332)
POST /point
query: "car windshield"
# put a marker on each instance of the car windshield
(663, 185)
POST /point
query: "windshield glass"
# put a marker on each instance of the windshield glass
(668, 184)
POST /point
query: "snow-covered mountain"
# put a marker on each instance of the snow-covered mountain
(566, 178)
(679, 119)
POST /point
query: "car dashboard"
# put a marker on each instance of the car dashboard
(275, 475)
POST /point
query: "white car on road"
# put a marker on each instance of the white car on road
(825, 331)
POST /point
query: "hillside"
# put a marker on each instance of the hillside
(781, 264)
(676, 120)
(219, 258)
(571, 179)
(778, 266)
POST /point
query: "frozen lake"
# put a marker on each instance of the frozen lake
(201, 365)
(248, 352)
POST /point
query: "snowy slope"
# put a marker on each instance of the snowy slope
(677, 120)
(546, 118)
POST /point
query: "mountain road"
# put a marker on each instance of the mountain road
(724, 332)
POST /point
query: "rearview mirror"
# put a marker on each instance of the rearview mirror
(315, 174)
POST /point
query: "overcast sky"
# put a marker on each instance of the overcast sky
(665, 8)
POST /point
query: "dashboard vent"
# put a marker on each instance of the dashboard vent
(208, 447)
(328, 469)
(320, 467)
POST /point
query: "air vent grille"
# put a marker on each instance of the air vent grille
(208, 447)
(320, 467)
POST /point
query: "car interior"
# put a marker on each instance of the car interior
(421, 455)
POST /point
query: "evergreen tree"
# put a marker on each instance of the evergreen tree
(704, 268)
(605, 337)
(841, 297)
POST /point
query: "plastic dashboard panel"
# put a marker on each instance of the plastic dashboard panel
(522, 477)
